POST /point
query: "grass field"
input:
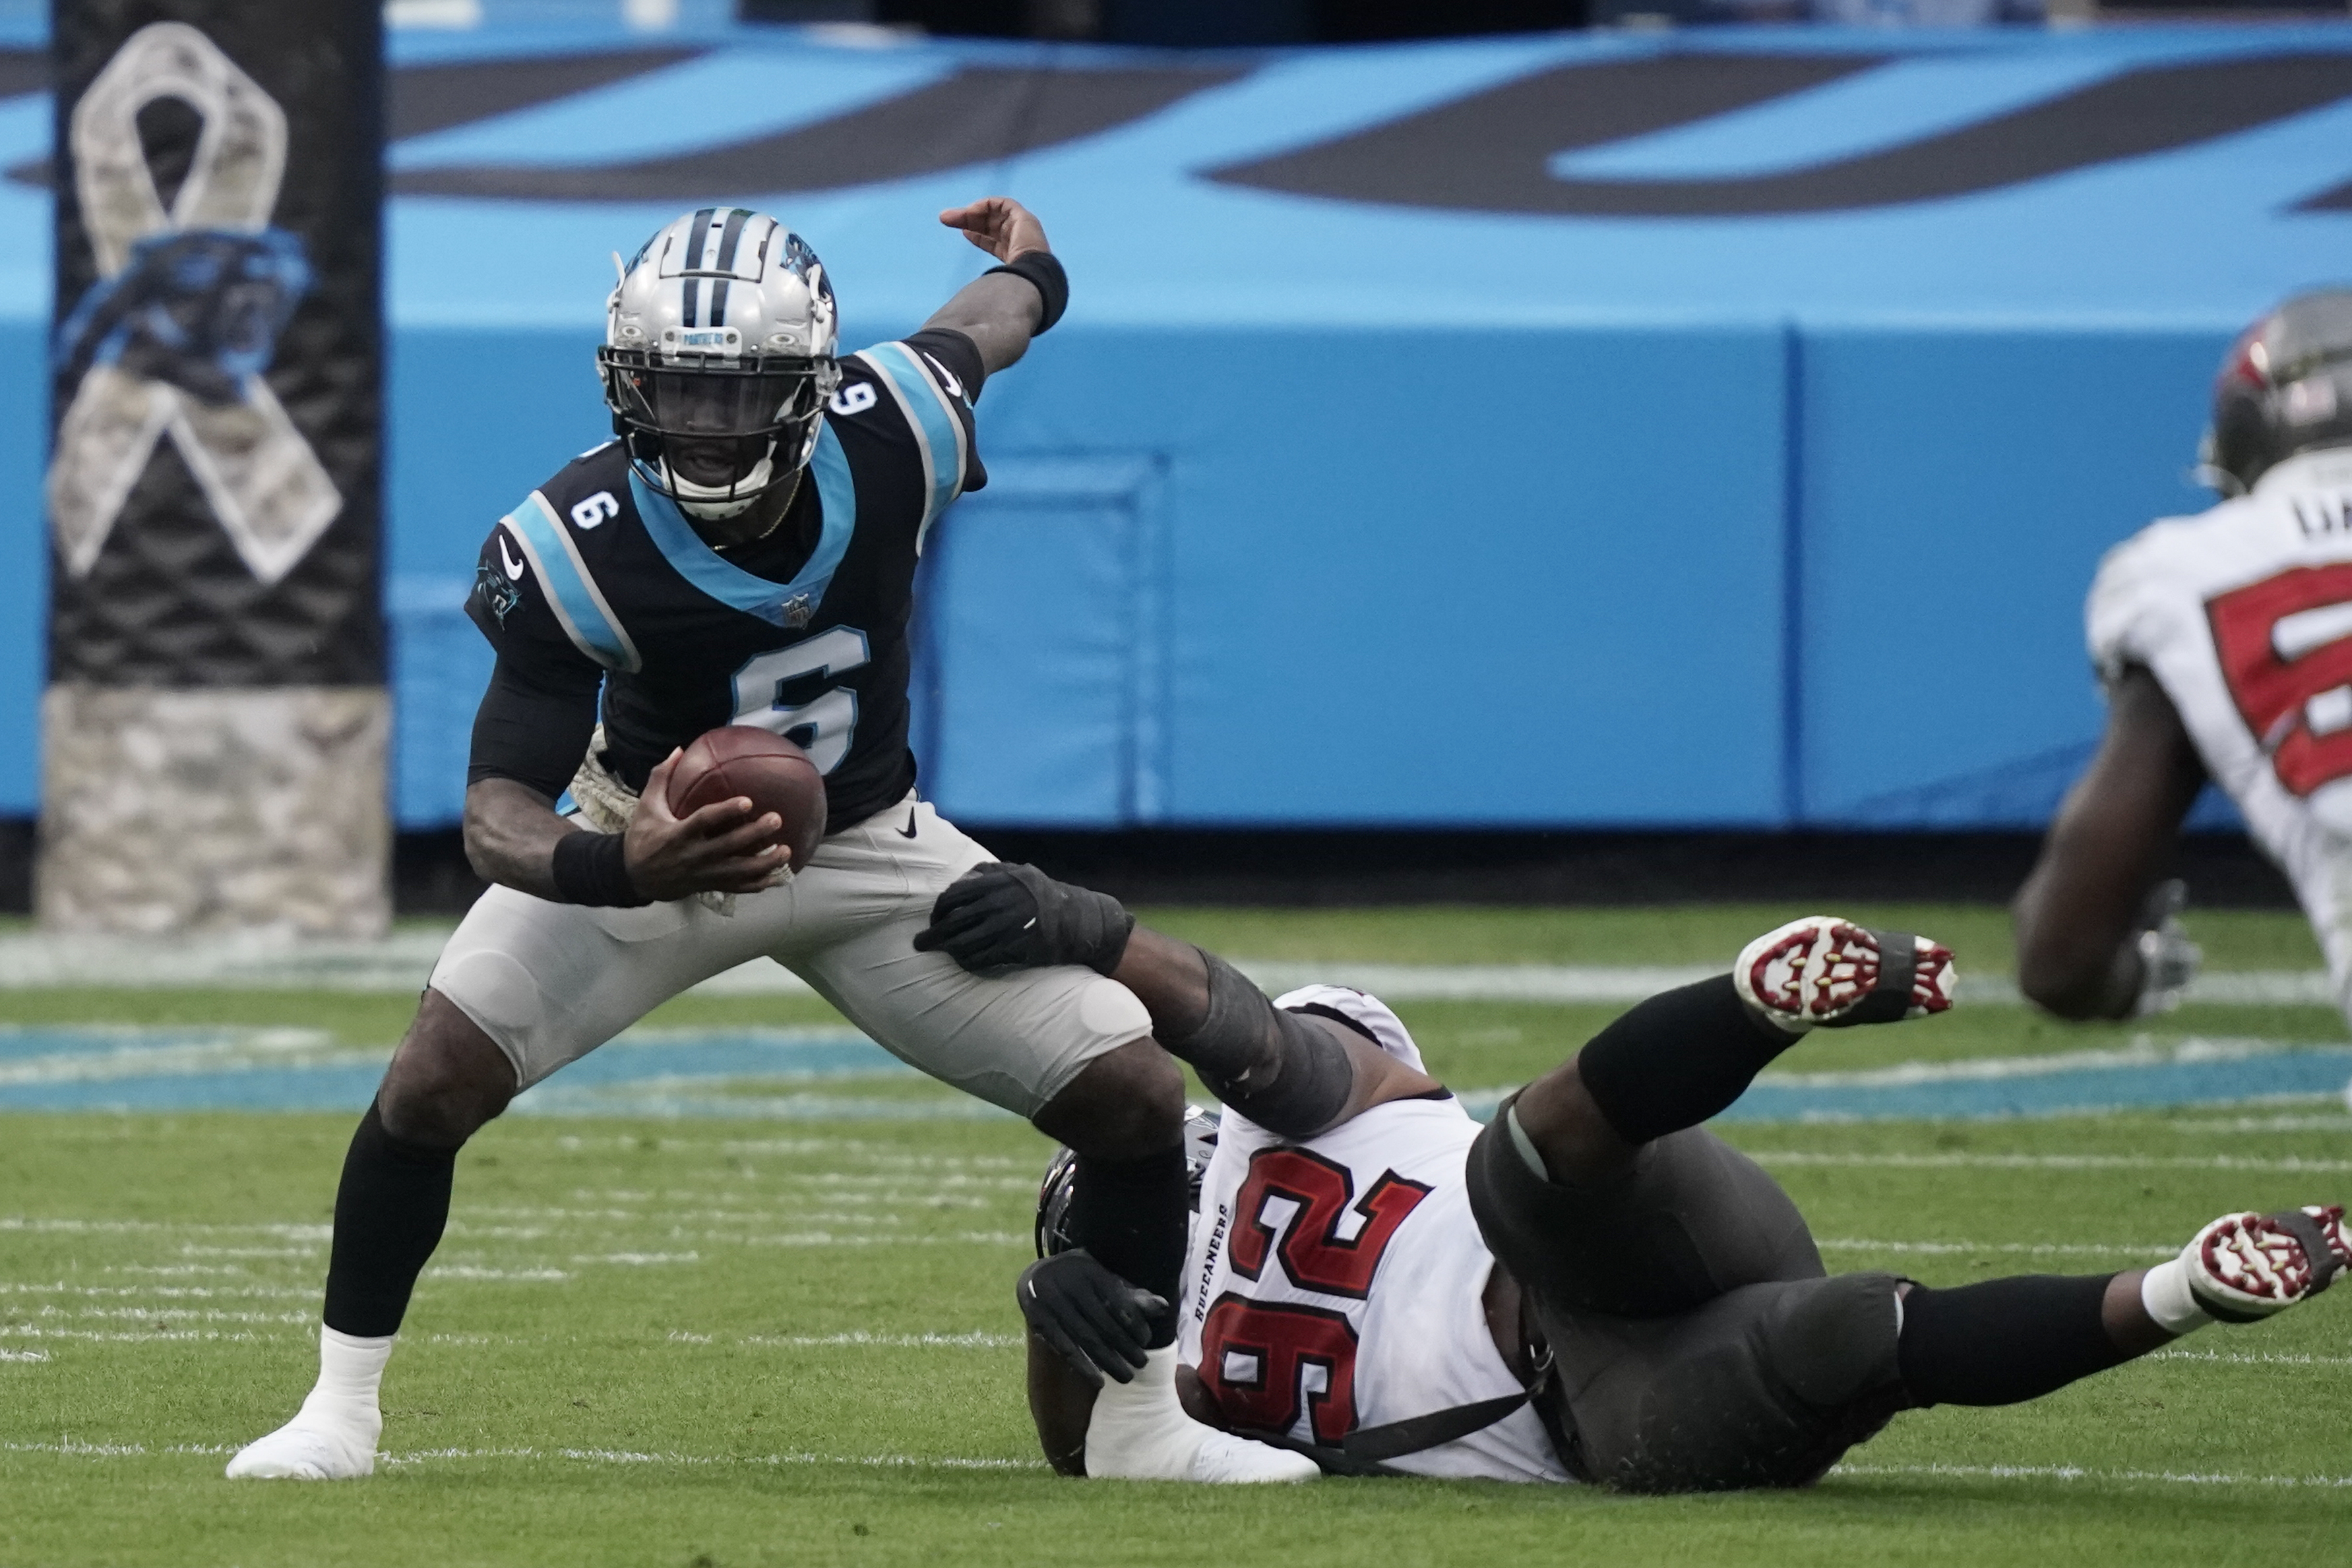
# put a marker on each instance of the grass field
(701, 1342)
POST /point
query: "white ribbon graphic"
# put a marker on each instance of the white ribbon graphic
(264, 483)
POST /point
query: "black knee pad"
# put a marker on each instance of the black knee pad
(1285, 1072)
(1832, 1341)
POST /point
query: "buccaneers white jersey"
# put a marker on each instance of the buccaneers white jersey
(1339, 1284)
(2243, 614)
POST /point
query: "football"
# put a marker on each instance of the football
(742, 759)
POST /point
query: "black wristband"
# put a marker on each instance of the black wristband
(1044, 270)
(591, 868)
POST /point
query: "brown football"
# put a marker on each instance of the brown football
(742, 759)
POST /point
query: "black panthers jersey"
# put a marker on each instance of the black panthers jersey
(597, 579)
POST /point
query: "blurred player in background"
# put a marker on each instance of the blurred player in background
(743, 553)
(2224, 641)
(1590, 1288)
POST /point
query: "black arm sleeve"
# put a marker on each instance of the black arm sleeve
(533, 725)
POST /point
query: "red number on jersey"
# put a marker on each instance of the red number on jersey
(1311, 1247)
(2275, 666)
(1255, 1361)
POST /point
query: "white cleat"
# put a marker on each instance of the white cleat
(1824, 972)
(313, 1447)
(2245, 1267)
(1138, 1432)
(1225, 1458)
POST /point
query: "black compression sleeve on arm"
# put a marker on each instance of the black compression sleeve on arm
(1677, 1058)
(591, 868)
(1044, 270)
(1285, 1072)
(533, 725)
(2004, 1341)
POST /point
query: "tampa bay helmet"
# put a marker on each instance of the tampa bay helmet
(719, 357)
(2285, 387)
(1061, 1183)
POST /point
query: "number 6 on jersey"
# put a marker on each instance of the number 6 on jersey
(824, 727)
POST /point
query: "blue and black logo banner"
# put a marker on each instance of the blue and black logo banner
(212, 490)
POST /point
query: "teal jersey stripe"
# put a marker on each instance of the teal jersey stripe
(935, 426)
(730, 584)
(572, 593)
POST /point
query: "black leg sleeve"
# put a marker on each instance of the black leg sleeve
(389, 1212)
(2004, 1341)
(1677, 1058)
(1130, 1216)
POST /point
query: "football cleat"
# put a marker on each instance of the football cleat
(2245, 1267)
(1138, 1431)
(1824, 972)
(307, 1449)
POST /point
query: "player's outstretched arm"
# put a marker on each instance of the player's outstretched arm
(1293, 1074)
(1000, 311)
(2078, 914)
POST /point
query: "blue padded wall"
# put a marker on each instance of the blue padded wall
(1352, 493)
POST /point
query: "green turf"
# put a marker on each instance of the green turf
(172, 1305)
(638, 1344)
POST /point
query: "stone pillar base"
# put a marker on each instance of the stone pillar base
(166, 809)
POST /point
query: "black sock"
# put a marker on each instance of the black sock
(1130, 1216)
(2005, 1340)
(389, 1211)
(1677, 1058)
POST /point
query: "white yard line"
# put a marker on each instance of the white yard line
(2275, 1358)
(972, 1341)
(2077, 1473)
(2288, 1165)
(2029, 1249)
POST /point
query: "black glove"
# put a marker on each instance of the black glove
(1094, 1319)
(995, 919)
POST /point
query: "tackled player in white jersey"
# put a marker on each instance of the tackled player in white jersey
(1590, 1288)
(2224, 643)
(743, 553)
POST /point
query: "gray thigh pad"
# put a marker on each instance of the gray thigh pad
(1766, 1385)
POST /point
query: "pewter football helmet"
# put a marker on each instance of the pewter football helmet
(719, 357)
(2285, 387)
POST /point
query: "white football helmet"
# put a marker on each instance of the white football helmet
(719, 357)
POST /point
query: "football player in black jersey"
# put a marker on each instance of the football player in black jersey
(743, 552)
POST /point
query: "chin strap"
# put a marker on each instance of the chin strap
(716, 503)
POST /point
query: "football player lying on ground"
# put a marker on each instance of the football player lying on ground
(1591, 1288)
(744, 553)
(2220, 642)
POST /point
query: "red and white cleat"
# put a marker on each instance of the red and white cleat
(2244, 1266)
(1826, 972)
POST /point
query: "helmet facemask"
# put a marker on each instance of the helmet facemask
(716, 433)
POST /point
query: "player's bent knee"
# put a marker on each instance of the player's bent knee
(446, 1080)
(1833, 1341)
(1126, 1099)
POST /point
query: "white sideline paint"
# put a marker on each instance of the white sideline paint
(401, 962)
(24, 1354)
